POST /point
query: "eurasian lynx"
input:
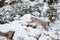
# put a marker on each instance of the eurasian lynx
(40, 22)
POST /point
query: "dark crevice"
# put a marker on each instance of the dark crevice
(31, 26)
(32, 0)
(2, 3)
(38, 37)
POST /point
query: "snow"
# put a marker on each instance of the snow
(7, 1)
(34, 32)
(44, 19)
(26, 17)
(43, 37)
(8, 8)
(2, 38)
(43, 9)
(19, 25)
(35, 13)
(26, 33)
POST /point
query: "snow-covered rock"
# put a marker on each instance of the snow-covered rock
(26, 17)
(43, 37)
(3, 38)
(7, 8)
(22, 32)
(28, 33)
(43, 9)
(30, 38)
(33, 32)
(35, 13)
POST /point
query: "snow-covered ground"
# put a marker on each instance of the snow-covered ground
(22, 32)
(22, 25)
